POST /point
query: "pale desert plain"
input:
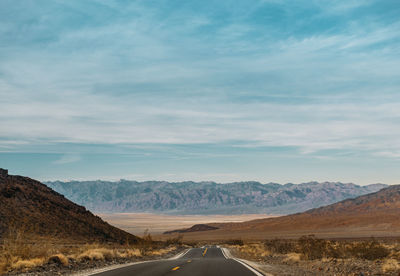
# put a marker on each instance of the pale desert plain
(156, 224)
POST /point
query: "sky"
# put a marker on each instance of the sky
(265, 90)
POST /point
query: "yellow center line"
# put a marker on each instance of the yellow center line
(176, 268)
(204, 253)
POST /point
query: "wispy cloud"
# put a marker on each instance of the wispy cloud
(68, 158)
(312, 76)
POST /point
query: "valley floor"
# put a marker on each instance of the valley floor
(137, 223)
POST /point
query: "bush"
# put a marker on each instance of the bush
(146, 243)
(59, 259)
(280, 246)
(174, 241)
(391, 265)
(235, 242)
(369, 250)
(312, 248)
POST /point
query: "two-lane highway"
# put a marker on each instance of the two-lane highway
(210, 261)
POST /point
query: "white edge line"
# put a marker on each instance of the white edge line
(227, 255)
(108, 268)
(180, 255)
(223, 253)
(248, 267)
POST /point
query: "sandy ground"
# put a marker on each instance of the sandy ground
(137, 223)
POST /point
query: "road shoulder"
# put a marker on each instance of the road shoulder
(257, 268)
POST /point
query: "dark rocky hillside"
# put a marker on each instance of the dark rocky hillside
(207, 197)
(379, 210)
(32, 206)
(376, 214)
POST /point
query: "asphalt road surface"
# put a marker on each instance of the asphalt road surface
(209, 261)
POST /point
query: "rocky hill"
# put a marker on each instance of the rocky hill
(30, 206)
(379, 208)
(207, 197)
(375, 214)
(194, 228)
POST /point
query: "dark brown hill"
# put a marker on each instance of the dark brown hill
(375, 214)
(380, 210)
(32, 206)
(194, 228)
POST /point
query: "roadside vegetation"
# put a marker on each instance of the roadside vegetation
(328, 257)
(20, 252)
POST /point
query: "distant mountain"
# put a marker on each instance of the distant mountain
(206, 197)
(194, 228)
(375, 214)
(28, 205)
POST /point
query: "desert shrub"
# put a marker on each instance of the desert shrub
(336, 250)
(26, 264)
(58, 259)
(89, 255)
(161, 251)
(254, 250)
(280, 246)
(174, 241)
(146, 244)
(391, 265)
(129, 253)
(235, 242)
(295, 257)
(17, 252)
(369, 250)
(312, 248)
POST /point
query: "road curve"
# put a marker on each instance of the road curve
(210, 261)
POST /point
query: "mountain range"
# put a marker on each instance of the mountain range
(206, 197)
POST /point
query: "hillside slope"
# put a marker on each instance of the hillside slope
(375, 214)
(38, 210)
(381, 208)
(206, 197)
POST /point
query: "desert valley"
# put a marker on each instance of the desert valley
(199, 138)
(50, 234)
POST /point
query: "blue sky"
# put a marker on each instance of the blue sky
(268, 90)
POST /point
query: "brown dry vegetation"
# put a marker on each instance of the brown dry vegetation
(309, 254)
(17, 253)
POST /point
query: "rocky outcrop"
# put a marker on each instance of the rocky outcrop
(3, 173)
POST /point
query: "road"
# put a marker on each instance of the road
(210, 261)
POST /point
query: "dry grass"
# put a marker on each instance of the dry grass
(86, 253)
(256, 250)
(59, 259)
(294, 257)
(17, 253)
(23, 265)
(162, 251)
(391, 265)
(316, 255)
(311, 248)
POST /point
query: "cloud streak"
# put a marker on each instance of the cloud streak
(308, 76)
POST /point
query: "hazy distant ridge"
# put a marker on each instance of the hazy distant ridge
(207, 197)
